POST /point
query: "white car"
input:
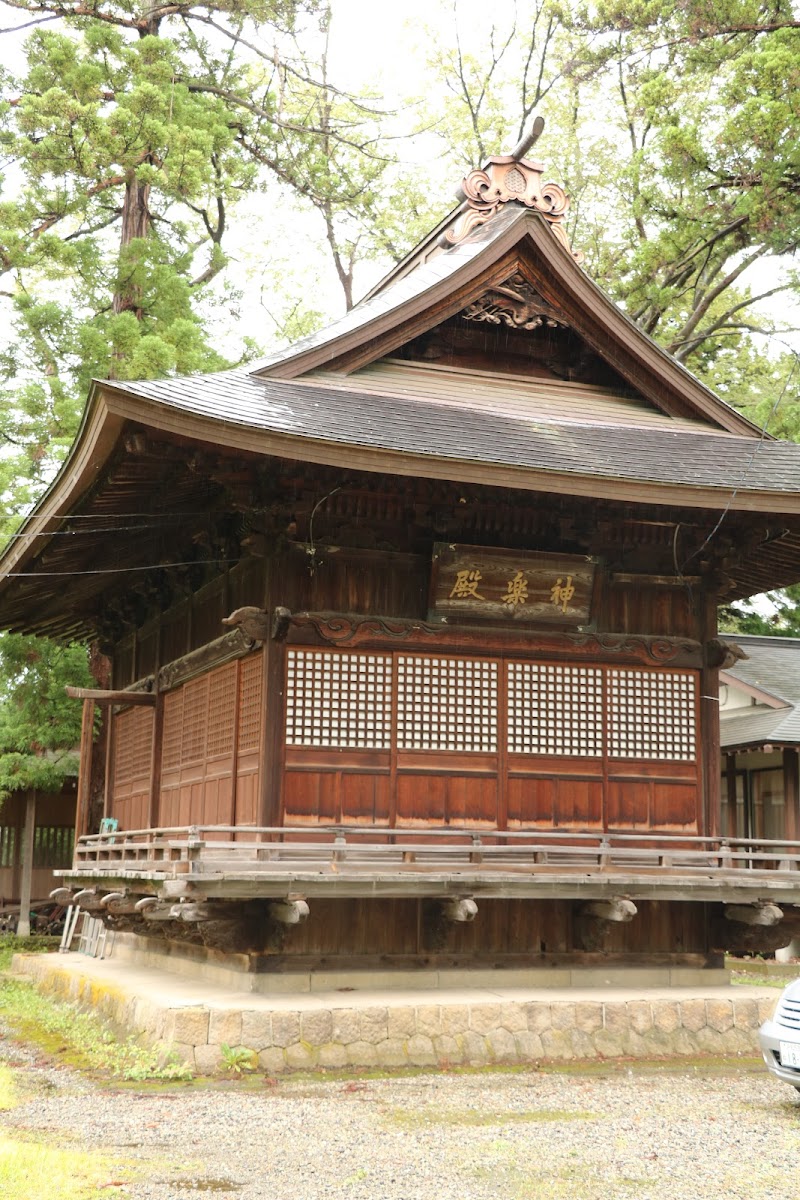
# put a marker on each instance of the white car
(780, 1037)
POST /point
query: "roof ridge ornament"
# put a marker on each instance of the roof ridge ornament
(508, 177)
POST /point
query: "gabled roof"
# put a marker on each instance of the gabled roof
(516, 240)
(771, 673)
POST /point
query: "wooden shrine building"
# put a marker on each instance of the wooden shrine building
(413, 626)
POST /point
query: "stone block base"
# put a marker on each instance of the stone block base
(390, 1029)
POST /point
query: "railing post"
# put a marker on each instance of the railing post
(475, 854)
(725, 855)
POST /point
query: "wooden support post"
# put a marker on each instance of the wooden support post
(24, 923)
(85, 771)
(155, 763)
(733, 830)
(709, 726)
(791, 793)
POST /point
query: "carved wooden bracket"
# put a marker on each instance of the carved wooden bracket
(515, 303)
(506, 178)
(352, 630)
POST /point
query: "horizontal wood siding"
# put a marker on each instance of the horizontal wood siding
(248, 736)
(132, 750)
(210, 768)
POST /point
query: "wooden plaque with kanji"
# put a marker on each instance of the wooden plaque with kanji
(479, 583)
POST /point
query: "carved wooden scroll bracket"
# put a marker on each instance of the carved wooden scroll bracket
(503, 179)
(516, 304)
(352, 631)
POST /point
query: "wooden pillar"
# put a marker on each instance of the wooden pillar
(791, 793)
(709, 726)
(85, 771)
(730, 780)
(155, 762)
(26, 855)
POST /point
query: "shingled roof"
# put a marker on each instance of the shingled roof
(772, 672)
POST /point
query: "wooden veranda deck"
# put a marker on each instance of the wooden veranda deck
(241, 862)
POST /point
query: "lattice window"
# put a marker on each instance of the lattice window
(195, 721)
(446, 704)
(173, 731)
(251, 670)
(221, 710)
(52, 845)
(555, 710)
(341, 700)
(651, 714)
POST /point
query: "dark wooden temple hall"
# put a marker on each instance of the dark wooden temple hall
(412, 628)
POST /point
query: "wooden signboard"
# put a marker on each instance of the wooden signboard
(479, 582)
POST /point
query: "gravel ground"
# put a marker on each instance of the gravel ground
(690, 1134)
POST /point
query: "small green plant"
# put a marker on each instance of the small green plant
(237, 1059)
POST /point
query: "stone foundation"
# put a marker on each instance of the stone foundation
(466, 1027)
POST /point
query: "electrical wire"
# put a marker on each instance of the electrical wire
(161, 566)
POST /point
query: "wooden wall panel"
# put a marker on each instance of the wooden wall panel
(365, 798)
(628, 804)
(311, 797)
(643, 608)
(355, 581)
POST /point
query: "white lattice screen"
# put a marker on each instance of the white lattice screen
(651, 714)
(555, 710)
(339, 700)
(446, 704)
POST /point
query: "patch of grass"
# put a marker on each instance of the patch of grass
(417, 1118)
(751, 979)
(10, 945)
(34, 1171)
(80, 1038)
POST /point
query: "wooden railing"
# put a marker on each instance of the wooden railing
(237, 851)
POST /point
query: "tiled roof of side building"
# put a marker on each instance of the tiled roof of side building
(772, 666)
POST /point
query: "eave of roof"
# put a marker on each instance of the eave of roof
(410, 436)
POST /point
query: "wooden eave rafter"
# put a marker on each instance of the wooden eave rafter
(527, 244)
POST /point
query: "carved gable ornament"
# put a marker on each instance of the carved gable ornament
(515, 303)
(508, 177)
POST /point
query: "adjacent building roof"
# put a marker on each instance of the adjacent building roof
(771, 673)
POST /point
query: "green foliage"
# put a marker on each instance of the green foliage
(238, 1059)
(40, 726)
(782, 621)
(81, 1037)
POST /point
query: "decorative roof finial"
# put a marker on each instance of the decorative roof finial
(510, 177)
